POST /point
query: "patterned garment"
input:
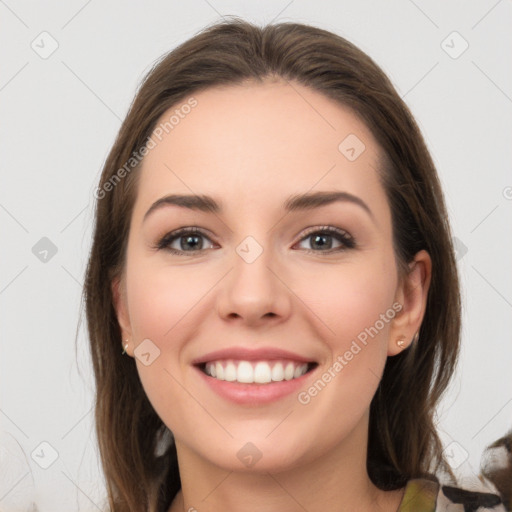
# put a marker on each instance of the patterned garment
(422, 495)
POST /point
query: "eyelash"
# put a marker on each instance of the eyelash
(347, 240)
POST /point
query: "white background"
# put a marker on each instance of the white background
(60, 116)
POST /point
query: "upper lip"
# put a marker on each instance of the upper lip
(245, 354)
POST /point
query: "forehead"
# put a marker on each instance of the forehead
(260, 139)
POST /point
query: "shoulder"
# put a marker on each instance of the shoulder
(424, 495)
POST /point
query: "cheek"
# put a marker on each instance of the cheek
(163, 305)
(160, 298)
(351, 300)
(356, 305)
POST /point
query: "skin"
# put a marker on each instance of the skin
(251, 146)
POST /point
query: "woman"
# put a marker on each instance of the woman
(293, 359)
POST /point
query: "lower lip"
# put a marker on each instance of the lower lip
(254, 394)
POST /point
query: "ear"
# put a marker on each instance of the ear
(123, 318)
(412, 295)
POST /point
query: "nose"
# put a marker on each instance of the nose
(254, 292)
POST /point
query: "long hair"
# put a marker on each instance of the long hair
(403, 442)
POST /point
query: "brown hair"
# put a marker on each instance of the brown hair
(403, 442)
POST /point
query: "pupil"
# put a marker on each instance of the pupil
(322, 237)
(190, 239)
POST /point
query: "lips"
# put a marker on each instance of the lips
(244, 354)
(253, 394)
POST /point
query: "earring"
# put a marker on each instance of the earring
(401, 341)
(416, 337)
(125, 347)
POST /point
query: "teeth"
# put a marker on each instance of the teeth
(261, 372)
(278, 372)
(244, 372)
(219, 371)
(298, 372)
(230, 372)
(289, 371)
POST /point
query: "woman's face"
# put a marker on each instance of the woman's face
(264, 292)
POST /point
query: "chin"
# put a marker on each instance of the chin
(256, 454)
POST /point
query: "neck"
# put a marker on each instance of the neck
(337, 481)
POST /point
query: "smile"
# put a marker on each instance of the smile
(256, 372)
(254, 377)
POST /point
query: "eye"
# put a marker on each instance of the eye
(184, 238)
(323, 238)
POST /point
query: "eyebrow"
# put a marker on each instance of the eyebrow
(307, 201)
